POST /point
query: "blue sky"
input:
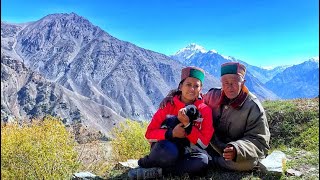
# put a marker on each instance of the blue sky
(259, 32)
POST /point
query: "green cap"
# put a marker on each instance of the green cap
(233, 68)
(194, 72)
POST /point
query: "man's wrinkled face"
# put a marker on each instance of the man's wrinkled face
(231, 85)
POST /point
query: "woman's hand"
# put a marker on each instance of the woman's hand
(179, 131)
(183, 118)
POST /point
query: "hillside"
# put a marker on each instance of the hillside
(100, 79)
(294, 127)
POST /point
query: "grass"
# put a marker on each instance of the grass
(294, 127)
(287, 119)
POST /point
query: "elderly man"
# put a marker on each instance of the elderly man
(242, 134)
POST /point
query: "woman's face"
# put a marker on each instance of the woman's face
(190, 89)
(231, 85)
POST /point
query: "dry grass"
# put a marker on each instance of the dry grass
(95, 157)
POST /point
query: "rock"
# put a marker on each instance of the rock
(293, 172)
(274, 162)
(131, 163)
(84, 176)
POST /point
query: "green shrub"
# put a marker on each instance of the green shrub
(287, 120)
(129, 141)
(309, 138)
(37, 150)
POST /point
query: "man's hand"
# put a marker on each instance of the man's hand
(229, 153)
(179, 131)
(168, 98)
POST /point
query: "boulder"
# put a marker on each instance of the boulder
(274, 163)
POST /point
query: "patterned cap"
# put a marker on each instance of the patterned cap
(233, 68)
(192, 71)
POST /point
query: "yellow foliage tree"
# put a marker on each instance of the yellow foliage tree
(42, 149)
(129, 141)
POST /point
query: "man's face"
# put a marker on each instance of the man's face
(231, 85)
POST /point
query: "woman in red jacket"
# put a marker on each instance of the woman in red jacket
(180, 149)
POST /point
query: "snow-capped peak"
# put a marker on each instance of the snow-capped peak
(213, 51)
(228, 57)
(268, 67)
(315, 59)
(195, 47)
(190, 50)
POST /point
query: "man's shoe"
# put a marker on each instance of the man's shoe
(145, 173)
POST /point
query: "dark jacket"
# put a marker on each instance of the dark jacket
(241, 123)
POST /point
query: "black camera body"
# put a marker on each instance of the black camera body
(191, 111)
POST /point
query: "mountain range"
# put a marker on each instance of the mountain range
(301, 79)
(65, 66)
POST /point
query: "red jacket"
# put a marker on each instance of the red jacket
(202, 129)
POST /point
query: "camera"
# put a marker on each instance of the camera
(191, 111)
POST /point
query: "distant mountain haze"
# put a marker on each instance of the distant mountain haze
(298, 81)
(65, 66)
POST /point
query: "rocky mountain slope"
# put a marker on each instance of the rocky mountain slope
(96, 73)
(26, 94)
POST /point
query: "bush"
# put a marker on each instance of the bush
(129, 141)
(37, 150)
(309, 138)
(287, 119)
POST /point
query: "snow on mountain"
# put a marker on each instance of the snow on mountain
(187, 52)
(211, 62)
(315, 59)
(213, 51)
(227, 57)
(268, 67)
